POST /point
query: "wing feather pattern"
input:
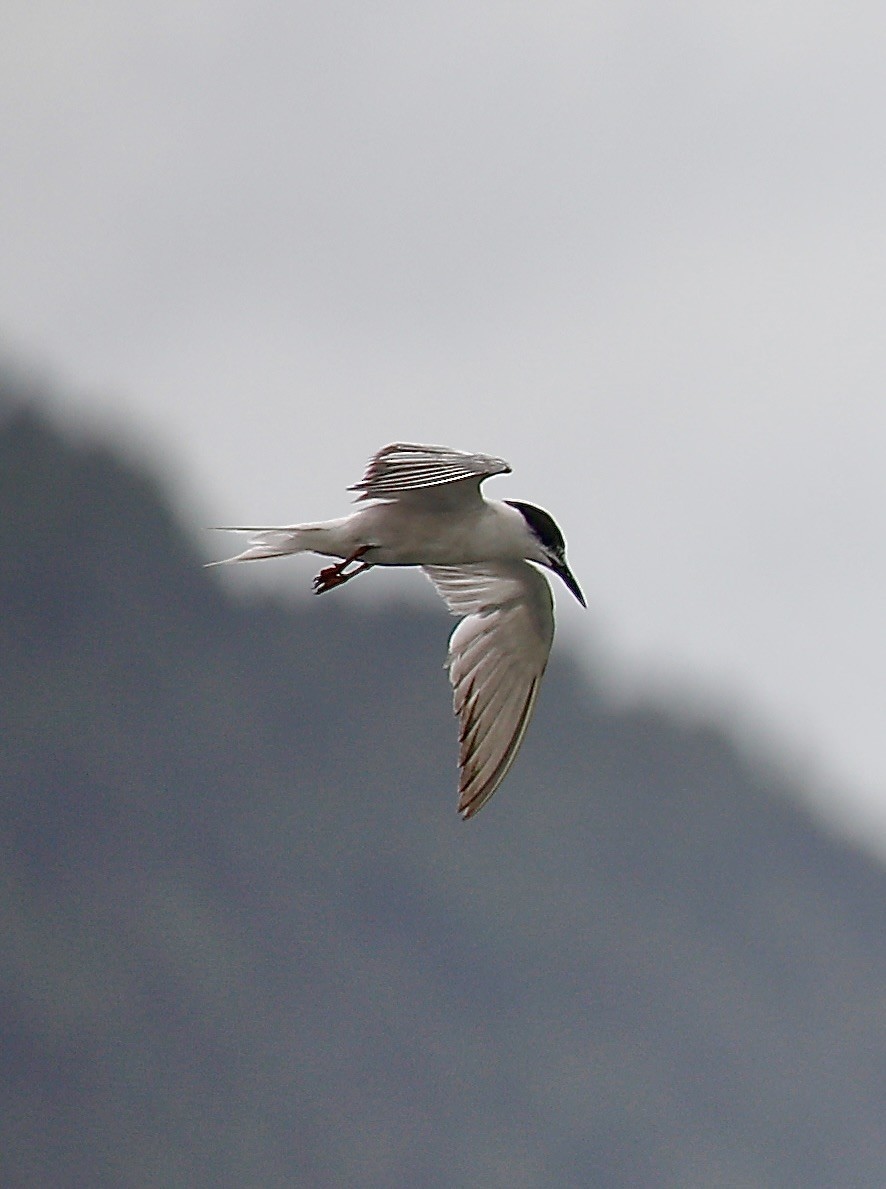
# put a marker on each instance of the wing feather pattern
(406, 467)
(497, 656)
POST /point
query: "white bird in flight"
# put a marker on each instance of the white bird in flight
(424, 508)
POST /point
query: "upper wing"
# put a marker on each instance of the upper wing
(401, 468)
(497, 656)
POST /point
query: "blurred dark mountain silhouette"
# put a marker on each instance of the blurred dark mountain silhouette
(247, 941)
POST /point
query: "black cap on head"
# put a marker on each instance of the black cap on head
(542, 524)
(545, 528)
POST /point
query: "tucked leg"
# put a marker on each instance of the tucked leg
(337, 575)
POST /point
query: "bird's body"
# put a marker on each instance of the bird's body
(423, 507)
(392, 533)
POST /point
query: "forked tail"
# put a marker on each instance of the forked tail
(266, 542)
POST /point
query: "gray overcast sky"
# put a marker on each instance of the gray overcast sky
(637, 249)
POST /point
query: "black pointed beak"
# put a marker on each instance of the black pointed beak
(561, 568)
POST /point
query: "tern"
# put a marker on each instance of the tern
(422, 506)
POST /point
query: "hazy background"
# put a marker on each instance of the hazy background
(638, 250)
(246, 940)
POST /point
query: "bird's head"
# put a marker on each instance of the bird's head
(550, 546)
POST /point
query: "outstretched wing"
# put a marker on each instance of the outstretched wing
(497, 656)
(404, 468)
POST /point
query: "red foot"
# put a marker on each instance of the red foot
(337, 575)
